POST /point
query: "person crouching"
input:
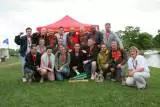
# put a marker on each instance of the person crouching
(117, 58)
(138, 71)
(47, 65)
(32, 64)
(62, 62)
(102, 60)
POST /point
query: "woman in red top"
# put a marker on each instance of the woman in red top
(42, 34)
(53, 40)
(72, 39)
(83, 39)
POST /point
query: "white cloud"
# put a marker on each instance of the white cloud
(147, 5)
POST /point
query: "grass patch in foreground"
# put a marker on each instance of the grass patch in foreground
(13, 93)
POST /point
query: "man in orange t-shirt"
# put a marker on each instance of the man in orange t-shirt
(117, 61)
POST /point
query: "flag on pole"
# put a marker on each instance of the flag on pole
(6, 41)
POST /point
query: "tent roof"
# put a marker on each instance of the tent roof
(67, 22)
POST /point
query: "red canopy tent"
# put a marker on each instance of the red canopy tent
(67, 22)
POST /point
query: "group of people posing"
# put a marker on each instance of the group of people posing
(49, 55)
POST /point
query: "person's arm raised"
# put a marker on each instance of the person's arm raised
(18, 39)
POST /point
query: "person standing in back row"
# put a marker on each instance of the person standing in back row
(97, 36)
(41, 48)
(25, 43)
(62, 35)
(72, 39)
(109, 36)
(39, 35)
(83, 39)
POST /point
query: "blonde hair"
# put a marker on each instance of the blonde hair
(134, 48)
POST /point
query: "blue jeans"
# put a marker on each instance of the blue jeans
(23, 61)
(119, 74)
(61, 75)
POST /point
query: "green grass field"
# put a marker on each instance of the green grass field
(13, 93)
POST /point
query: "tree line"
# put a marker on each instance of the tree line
(132, 36)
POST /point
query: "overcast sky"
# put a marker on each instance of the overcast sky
(16, 15)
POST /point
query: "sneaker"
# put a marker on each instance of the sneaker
(30, 80)
(42, 80)
(77, 73)
(113, 80)
(123, 82)
(108, 76)
(92, 77)
(24, 80)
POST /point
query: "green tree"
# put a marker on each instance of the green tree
(13, 52)
(145, 41)
(156, 40)
(133, 37)
(130, 36)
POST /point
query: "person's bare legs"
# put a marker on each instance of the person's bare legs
(93, 69)
(105, 73)
(43, 73)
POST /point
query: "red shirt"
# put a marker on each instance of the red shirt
(107, 34)
(53, 40)
(72, 41)
(34, 58)
(116, 55)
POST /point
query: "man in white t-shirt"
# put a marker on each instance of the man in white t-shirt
(138, 70)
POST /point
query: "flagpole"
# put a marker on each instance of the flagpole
(8, 49)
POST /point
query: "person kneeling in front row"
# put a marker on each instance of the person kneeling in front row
(47, 65)
(62, 61)
(32, 65)
(103, 60)
(138, 70)
(90, 62)
(117, 61)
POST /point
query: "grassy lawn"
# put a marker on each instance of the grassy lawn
(13, 93)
